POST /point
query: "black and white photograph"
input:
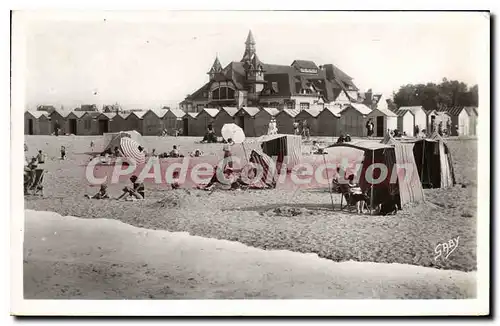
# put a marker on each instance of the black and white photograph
(229, 161)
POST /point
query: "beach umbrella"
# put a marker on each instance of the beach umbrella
(233, 131)
(130, 149)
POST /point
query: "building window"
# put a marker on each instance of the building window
(289, 105)
(309, 71)
(274, 87)
(304, 106)
(223, 93)
(199, 108)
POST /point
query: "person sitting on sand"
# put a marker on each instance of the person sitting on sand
(175, 184)
(174, 152)
(210, 135)
(102, 194)
(136, 192)
(341, 139)
(40, 157)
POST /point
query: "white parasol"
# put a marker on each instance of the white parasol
(233, 131)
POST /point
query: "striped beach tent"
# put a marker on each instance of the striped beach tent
(286, 148)
(393, 157)
(128, 143)
(433, 160)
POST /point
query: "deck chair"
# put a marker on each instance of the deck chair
(36, 185)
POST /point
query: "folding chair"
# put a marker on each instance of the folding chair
(37, 183)
(345, 192)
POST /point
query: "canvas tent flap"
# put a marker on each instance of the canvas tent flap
(286, 148)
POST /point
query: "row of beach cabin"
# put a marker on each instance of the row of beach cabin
(330, 121)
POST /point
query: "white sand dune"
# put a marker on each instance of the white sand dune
(67, 257)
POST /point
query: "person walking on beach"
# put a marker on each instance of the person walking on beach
(296, 128)
(369, 127)
(305, 130)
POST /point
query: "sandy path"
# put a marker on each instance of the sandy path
(67, 257)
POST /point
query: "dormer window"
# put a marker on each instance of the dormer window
(274, 87)
(308, 71)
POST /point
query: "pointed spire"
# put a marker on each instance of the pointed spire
(256, 63)
(216, 66)
(250, 39)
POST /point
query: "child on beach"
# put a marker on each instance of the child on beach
(102, 194)
(63, 153)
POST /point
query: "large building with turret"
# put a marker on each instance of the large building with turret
(252, 82)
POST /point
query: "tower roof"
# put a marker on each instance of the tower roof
(216, 66)
(256, 62)
(250, 39)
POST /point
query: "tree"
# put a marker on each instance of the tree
(431, 95)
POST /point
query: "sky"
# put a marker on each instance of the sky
(148, 60)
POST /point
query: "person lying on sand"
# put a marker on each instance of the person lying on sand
(197, 153)
(137, 191)
(316, 149)
(102, 194)
(233, 179)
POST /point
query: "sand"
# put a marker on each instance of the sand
(67, 257)
(299, 221)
